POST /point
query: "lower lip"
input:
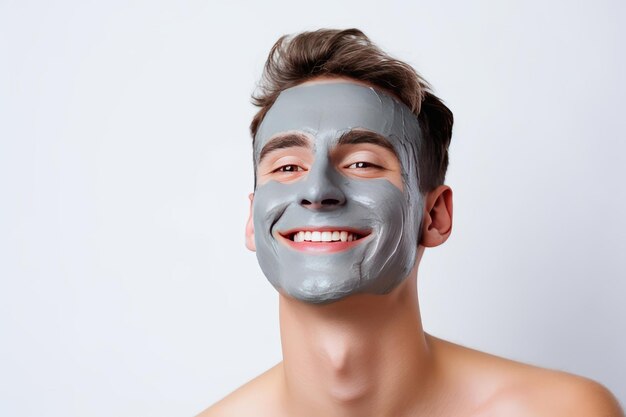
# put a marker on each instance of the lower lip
(322, 247)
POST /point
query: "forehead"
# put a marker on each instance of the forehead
(326, 110)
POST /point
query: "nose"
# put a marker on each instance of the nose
(321, 190)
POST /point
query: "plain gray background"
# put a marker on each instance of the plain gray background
(125, 164)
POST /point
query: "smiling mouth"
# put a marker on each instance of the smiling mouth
(323, 240)
(324, 236)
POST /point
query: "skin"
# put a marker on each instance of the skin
(341, 359)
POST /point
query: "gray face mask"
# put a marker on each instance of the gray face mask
(376, 263)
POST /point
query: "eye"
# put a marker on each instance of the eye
(289, 168)
(362, 165)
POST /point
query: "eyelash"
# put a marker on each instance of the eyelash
(367, 165)
(283, 170)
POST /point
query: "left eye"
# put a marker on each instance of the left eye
(362, 165)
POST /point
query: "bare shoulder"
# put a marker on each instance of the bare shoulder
(515, 389)
(588, 397)
(555, 394)
(257, 397)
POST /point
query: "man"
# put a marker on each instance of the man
(350, 153)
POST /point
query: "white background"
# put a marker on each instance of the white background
(125, 164)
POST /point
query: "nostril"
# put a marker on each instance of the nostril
(330, 202)
(326, 202)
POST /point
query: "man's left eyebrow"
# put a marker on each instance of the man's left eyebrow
(355, 137)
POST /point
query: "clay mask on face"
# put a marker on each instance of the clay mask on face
(384, 219)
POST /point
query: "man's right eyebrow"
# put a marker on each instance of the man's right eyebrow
(286, 140)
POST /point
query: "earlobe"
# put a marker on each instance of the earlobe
(437, 222)
(250, 226)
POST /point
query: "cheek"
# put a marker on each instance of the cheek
(407, 173)
(270, 201)
(395, 213)
(384, 198)
(396, 179)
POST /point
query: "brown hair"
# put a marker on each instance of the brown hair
(349, 53)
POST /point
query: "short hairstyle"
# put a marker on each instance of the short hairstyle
(350, 53)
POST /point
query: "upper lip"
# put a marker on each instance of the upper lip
(288, 232)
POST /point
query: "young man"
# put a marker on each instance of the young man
(350, 153)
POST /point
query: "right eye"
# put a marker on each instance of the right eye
(289, 168)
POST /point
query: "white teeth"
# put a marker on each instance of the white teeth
(324, 236)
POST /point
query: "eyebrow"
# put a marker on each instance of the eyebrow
(285, 140)
(355, 137)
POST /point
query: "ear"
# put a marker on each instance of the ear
(250, 227)
(437, 222)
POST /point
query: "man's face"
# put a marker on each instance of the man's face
(337, 208)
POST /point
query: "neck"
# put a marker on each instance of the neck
(363, 355)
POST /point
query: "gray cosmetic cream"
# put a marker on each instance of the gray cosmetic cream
(384, 256)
